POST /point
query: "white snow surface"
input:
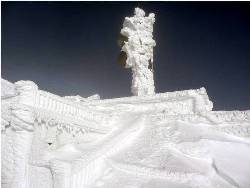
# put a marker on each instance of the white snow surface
(165, 140)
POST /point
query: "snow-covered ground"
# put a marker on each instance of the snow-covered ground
(164, 140)
(142, 153)
(171, 139)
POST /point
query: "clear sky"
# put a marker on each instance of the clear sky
(70, 48)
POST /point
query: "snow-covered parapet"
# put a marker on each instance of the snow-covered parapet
(8, 89)
(8, 94)
(27, 92)
(78, 98)
(138, 45)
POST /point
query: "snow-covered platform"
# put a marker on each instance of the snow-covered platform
(171, 139)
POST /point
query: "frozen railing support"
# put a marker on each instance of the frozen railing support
(137, 42)
(27, 92)
(22, 122)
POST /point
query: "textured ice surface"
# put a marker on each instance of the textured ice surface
(164, 140)
(139, 50)
(171, 139)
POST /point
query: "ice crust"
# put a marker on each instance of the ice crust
(171, 139)
(165, 140)
(139, 49)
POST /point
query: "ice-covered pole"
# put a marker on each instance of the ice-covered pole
(137, 47)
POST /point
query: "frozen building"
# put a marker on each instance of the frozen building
(149, 140)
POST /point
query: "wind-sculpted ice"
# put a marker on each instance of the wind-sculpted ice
(138, 45)
(171, 139)
(85, 161)
(166, 140)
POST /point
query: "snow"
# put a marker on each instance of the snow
(171, 139)
(139, 49)
(78, 98)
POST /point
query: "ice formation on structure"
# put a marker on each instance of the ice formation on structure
(138, 45)
(171, 139)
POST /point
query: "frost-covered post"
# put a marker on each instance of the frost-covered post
(137, 43)
(22, 122)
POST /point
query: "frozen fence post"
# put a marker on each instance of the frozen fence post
(137, 44)
(22, 122)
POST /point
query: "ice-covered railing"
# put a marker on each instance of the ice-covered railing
(100, 112)
(59, 105)
(53, 106)
(189, 101)
(169, 103)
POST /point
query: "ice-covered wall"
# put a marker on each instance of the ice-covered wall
(138, 47)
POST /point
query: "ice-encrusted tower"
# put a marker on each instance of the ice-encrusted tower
(137, 51)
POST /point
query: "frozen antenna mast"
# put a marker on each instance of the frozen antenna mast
(136, 41)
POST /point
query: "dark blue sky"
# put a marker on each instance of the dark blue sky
(70, 48)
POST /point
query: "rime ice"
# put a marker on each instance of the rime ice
(139, 49)
(171, 139)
